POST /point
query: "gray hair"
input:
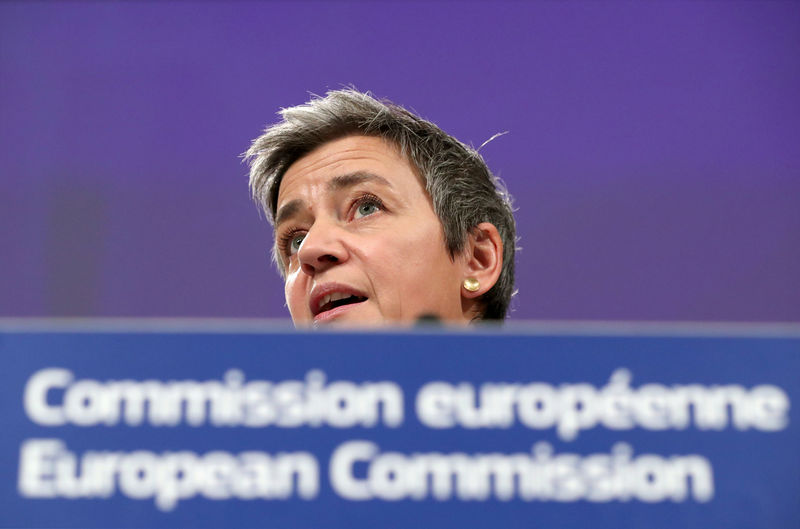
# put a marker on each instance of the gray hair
(463, 190)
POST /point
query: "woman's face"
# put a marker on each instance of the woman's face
(359, 241)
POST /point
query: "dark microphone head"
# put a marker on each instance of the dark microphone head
(429, 320)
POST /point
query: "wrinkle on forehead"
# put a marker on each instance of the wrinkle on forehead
(344, 150)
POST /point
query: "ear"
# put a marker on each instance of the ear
(483, 259)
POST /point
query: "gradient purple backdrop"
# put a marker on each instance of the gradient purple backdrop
(653, 148)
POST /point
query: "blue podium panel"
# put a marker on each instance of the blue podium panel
(418, 429)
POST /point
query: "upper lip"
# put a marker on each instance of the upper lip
(320, 292)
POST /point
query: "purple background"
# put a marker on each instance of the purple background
(654, 147)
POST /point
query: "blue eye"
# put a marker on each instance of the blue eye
(295, 242)
(289, 243)
(367, 208)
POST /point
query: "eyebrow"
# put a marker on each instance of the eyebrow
(336, 183)
(350, 179)
(287, 211)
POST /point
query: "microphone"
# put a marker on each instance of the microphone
(428, 319)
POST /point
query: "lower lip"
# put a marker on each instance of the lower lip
(330, 315)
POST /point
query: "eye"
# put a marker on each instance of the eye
(295, 241)
(367, 205)
(365, 209)
(290, 243)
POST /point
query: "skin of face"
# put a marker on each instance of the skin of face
(353, 219)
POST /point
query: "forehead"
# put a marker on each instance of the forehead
(347, 155)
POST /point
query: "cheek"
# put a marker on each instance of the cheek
(428, 249)
(293, 291)
(415, 259)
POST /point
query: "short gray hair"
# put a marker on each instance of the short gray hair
(463, 190)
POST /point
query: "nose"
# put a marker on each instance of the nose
(322, 248)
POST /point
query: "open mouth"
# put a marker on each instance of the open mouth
(332, 301)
